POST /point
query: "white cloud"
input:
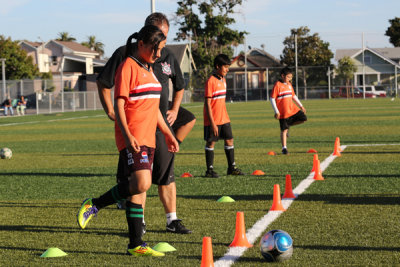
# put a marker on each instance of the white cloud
(7, 6)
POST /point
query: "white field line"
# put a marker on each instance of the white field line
(64, 119)
(234, 253)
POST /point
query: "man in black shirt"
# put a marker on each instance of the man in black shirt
(179, 119)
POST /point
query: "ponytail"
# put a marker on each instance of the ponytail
(129, 44)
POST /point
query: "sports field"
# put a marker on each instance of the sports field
(350, 218)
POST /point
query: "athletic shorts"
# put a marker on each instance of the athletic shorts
(163, 165)
(224, 132)
(130, 162)
(286, 123)
(184, 117)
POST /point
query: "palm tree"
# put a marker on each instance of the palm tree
(94, 45)
(64, 36)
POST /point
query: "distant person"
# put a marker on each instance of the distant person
(166, 68)
(216, 120)
(7, 107)
(137, 114)
(285, 109)
(21, 106)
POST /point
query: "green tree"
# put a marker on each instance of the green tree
(206, 24)
(18, 64)
(394, 31)
(311, 51)
(64, 36)
(95, 45)
(345, 71)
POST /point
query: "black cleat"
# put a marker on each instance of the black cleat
(177, 227)
(285, 151)
(210, 173)
(234, 171)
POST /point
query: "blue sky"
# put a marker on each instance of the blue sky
(340, 22)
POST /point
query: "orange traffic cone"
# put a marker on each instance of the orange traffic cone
(318, 173)
(288, 188)
(315, 159)
(336, 149)
(276, 199)
(338, 142)
(207, 258)
(240, 239)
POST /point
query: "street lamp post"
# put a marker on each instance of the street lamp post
(3, 70)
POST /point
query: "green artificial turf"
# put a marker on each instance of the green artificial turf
(350, 218)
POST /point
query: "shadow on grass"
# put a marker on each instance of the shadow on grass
(41, 251)
(363, 176)
(58, 174)
(235, 197)
(90, 154)
(381, 199)
(348, 248)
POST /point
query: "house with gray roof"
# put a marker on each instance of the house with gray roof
(379, 66)
(257, 65)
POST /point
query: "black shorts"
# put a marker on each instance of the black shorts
(184, 117)
(163, 165)
(224, 132)
(286, 123)
(130, 162)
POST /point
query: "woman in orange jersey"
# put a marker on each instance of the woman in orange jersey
(137, 97)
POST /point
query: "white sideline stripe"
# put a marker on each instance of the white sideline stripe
(375, 145)
(234, 253)
(65, 119)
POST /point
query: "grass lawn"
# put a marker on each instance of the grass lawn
(350, 218)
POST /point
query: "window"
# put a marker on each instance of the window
(240, 81)
(53, 60)
(367, 59)
(254, 81)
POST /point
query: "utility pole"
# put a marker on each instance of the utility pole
(153, 6)
(245, 69)
(3, 70)
(296, 63)
(363, 66)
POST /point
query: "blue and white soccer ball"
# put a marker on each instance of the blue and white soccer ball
(5, 153)
(276, 245)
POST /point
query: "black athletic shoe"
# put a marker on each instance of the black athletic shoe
(177, 227)
(234, 171)
(210, 173)
(285, 151)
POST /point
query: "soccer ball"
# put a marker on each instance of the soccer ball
(276, 245)
(5, 153)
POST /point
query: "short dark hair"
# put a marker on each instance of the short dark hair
(149, 34)
(156, 19)
(285, 71)
(221, 60)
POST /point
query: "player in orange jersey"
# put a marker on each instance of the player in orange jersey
(285, 109)
(137, 97)
(216, 120)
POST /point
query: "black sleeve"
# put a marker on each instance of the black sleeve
(177, 78)
(107, 75)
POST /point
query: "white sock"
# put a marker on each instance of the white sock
(284, 147)
(171, 217)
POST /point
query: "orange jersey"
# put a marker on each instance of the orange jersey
(283, 94)
(216, 90)
(141, 91)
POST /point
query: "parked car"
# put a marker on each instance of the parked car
(376, 90)
(358, 93)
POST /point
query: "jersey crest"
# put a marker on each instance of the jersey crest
(166, 68)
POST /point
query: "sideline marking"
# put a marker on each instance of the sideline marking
(63, 119)
(234, 253)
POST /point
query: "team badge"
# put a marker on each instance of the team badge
(166, 68)
(145, 158)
